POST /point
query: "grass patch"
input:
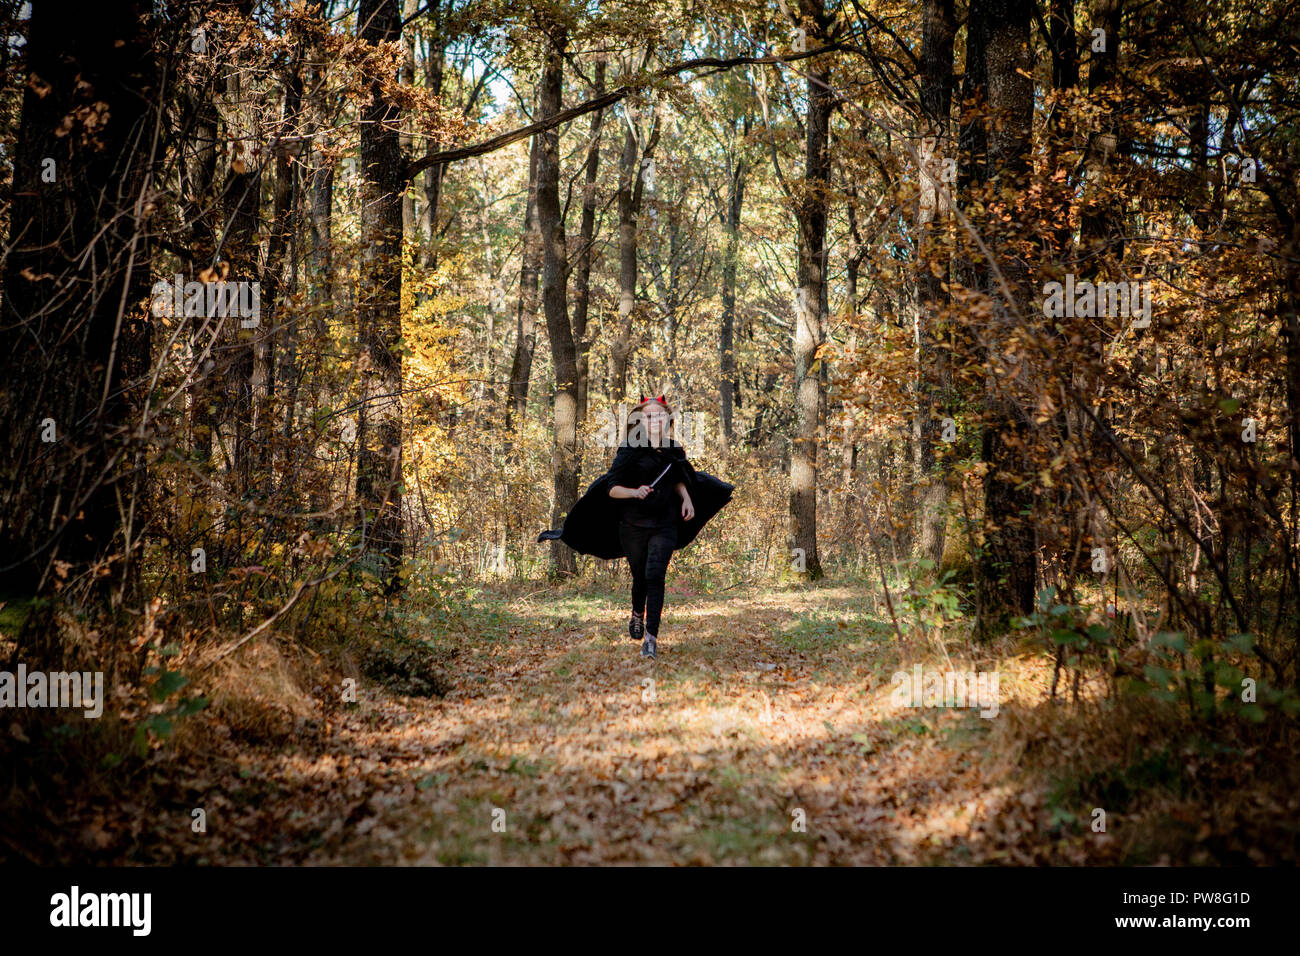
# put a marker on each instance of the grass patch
(14, 611)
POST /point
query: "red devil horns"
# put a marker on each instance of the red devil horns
(659, 399)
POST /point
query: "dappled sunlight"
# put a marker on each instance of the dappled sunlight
(740, 730)
(733, 736)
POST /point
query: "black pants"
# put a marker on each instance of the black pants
(648, 552)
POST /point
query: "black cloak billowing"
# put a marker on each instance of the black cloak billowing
(592, 525)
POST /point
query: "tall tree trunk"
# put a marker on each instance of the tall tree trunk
(202, 215)
(727, 332)
(273, 283)
(555, 301)
(409, 222)
(810, 302)
(586, 234)
(241, 207)
(1100, 233)
(530, 265)
(1055, 528)
(630, 185)
(939, 27)
(668, 287)
(1007, 564)
(1101, 226)
(73, 331)
(973, 167)
(320, 261)
(852, 267)
(320, 203)
(434, 71)
(379, 435)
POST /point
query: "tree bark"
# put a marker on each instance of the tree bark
(1100, 234)
(405, 139)
(630, 185)
(586, 237)
(727, 331)
(939, 27)
(74, 330)
(810, 303)
(1007, 564)
(434, 71)
(274, 286)
(530, 265)
(555, 271)
(202, 215)
(241, 197)
(379, 433)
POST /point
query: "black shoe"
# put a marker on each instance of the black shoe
(648, 646)
(636, 628)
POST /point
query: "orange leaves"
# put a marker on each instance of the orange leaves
(215, 274)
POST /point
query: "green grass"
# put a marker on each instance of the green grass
(906, 726)
(849, 625)
(1116, 786)
(13, 614)
(746, 838)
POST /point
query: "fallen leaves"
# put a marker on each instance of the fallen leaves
(552, 729)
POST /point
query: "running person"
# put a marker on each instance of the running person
(651, 483)
(650, 503)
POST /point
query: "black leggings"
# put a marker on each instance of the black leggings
(648, 551)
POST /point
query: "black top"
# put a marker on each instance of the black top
(634, 467)
(591, 527)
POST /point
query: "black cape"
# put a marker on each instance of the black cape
(592, 526)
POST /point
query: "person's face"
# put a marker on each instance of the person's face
(655, 417)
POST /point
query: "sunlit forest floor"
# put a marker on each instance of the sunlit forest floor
(763, 734)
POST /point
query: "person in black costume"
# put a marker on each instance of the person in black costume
(650, 503)
(652, 486)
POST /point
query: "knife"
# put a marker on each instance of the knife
(661, 474)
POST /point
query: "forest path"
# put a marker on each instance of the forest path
(761, 704)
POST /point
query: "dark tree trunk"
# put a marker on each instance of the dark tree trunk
(241, 196)
(1007, 565)
(630, 185)
(1054, 527)
(202, 214)
(530, 265)
(727, 331)
(586, 234)
(555, 302)
(434, 71)
(274, 287)
(379, 435)
(973, 142)
(939, 27)
(74, 332)
(1100, 232)
(810, 305)
(409, 221)
(320, 209)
